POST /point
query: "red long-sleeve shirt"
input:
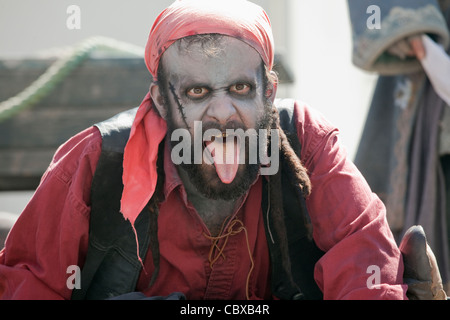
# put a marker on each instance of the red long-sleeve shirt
(348, 221)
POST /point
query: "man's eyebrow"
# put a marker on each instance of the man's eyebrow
(253, 82)
(188, 84)
(254, 76)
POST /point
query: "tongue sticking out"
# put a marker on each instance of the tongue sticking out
(225, 153)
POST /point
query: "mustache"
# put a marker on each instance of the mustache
(230, 125)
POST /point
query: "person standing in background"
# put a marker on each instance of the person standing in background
(404, 151)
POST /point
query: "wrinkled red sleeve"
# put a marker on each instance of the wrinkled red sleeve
(362, 260)
(51, 234)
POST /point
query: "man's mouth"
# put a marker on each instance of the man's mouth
(225, 151)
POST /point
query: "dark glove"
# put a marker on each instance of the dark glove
(421, 270)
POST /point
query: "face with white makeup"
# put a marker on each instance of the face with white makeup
(223, 84)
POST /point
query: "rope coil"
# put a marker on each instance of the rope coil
(58, 71)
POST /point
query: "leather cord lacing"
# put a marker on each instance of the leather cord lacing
(235, 227)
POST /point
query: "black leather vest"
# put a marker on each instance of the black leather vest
(112, 268)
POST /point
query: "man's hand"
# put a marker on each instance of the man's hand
(436, 63)
(409, 47)
(417, 46)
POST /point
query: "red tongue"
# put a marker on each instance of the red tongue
(226, 158)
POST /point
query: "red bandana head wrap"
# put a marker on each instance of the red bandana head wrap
(236, 18)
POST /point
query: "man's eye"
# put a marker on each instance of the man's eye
(197, 92)
(240, 88)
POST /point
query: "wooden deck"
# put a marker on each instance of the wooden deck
(96, 90)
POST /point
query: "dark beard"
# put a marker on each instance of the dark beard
(216, 189)
(213, 187)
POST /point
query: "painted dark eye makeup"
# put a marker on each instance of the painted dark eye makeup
(200, 92)
(197, 93)
(241, 89)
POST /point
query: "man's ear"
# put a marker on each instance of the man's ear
(271, 91)
(158, 100)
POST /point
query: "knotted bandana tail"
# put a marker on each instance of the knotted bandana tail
(139, 162)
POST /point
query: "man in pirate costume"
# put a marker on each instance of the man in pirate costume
(117, 202)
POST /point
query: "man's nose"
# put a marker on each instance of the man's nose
(222, 110)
